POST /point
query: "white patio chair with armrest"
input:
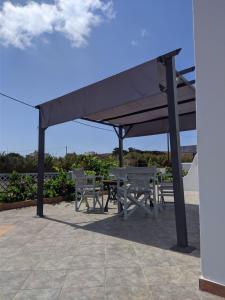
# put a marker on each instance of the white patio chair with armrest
(164, 189)
(86, 188)
(137, 192)
(151, 171)
(118, 174)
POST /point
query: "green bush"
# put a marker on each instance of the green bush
(19, 188)
(94, 165)
(61, 185)
(3, 197)
(23, 187)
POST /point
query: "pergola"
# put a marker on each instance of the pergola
(151, 98)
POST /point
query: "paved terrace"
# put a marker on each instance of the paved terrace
(83, 256)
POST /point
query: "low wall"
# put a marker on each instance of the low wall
(27, 203)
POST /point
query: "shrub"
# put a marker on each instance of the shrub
(19, 188)
(95, 165)
(3, 197)
(61, 185)
(22, 187)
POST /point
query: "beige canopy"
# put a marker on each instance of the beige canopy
(135, 99)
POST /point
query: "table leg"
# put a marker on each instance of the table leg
(107, 201)
(120, 207)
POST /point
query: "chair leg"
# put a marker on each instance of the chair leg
(96, 197)
(156, 209)
(102, 203)
(94, 201)
(155, 203)
(125, 213)
(76, 199)
(163, 201)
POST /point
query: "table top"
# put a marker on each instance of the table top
(110, 181)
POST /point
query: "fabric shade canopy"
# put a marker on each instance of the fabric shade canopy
(135, 99)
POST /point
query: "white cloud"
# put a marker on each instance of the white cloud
(134, 43)
(75, 19)
(144, 32)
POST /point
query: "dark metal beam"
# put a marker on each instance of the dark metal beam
(116, 131)
(120, 146)
(99, 122)
(161, 118)
(163, 58)
(148, 109)
(128, 130)
(168, 147)
(180, 214)
(41, 158)
(120, 207)
(186, 71)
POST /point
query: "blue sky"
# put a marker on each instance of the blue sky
(54, 62)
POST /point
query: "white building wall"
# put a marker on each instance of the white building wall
(186, 166)
(191, 179)
(209, 32)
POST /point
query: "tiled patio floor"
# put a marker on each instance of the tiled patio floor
(81, 256)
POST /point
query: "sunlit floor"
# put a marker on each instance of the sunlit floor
(70, 255)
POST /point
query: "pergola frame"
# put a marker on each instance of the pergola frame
(173, 116)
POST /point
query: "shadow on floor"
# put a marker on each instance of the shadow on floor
(158, 232)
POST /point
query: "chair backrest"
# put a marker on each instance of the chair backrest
(161, 170)
(142, 170)
(140, 177)
(79, 177)
(77, 173)
(118, 173)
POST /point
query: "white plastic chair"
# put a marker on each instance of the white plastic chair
(86, 188)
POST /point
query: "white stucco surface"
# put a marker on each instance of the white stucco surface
(209, 33)
(191, 179)
(186, 166)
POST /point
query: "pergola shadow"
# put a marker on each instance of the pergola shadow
(159, 233)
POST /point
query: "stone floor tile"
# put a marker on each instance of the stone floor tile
(157, 274)
(13, 280)
(177, 291)
(92, 250)
(58, 262)
(72, 293)
(7, 293)
(91, 239)
(45, 280)
(120, 250)
(10, 251)
(85, 278)
(117, 261)
(132, 276)
(42, 243)
(88, 262)
(124, 293)
(17, 263)
(38, 294)
(206, 296)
